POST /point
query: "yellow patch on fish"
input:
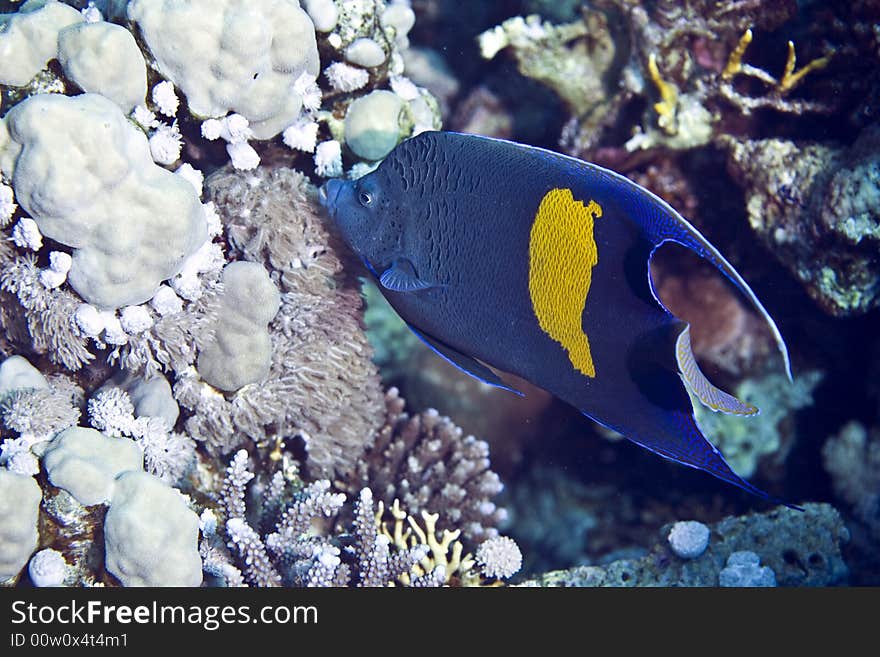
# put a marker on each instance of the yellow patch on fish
(562, 254)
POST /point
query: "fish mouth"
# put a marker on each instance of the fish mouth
(329, 192)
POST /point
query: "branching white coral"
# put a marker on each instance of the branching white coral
(26, 234)
(7, 204)
(345, 77)
(302, 135)
(165, 99)
(328, 159)
(166, 143)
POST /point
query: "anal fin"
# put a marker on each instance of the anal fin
(466, 364)
(703, 389)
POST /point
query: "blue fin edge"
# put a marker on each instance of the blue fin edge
(495, 384)
(735, 479)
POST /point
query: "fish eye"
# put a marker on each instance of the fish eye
(365, 198)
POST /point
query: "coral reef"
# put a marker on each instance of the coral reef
(187, 389)
(800, 549)
(817, 208)
(288, 539)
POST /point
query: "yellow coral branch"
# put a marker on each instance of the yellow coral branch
(790, 77)
(734, 62)
(668, 95)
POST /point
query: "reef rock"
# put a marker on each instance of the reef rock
(801, 549)
(817, 207)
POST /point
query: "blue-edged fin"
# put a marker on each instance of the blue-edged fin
(682, 232)
(692, 239)
(466, 364)
(401, 277)
(700, 386)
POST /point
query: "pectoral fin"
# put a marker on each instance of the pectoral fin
(401, 277)
(466, 364)
(700, 386)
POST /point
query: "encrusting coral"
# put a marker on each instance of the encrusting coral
(817, 208)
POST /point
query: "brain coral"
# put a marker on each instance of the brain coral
(84, 173)
(232, 55)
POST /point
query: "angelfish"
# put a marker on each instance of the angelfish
(506, 256)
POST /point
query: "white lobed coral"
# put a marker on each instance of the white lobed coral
(16, 373)
(150, 536)
(104, 58)
(399, 17)
(192, 175)
(20, 497)
(323, 14)
(29, 38)
(84, 173)
(373, 124)
(152, 398)
(688, 539)
(48, 568)
(85, 463)
(241, 351)
(365, 52)
(232, 55)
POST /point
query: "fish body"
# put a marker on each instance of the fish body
(508, 256)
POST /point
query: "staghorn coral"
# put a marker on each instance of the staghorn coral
(817, 208)
(428, 463)
(321, 384)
